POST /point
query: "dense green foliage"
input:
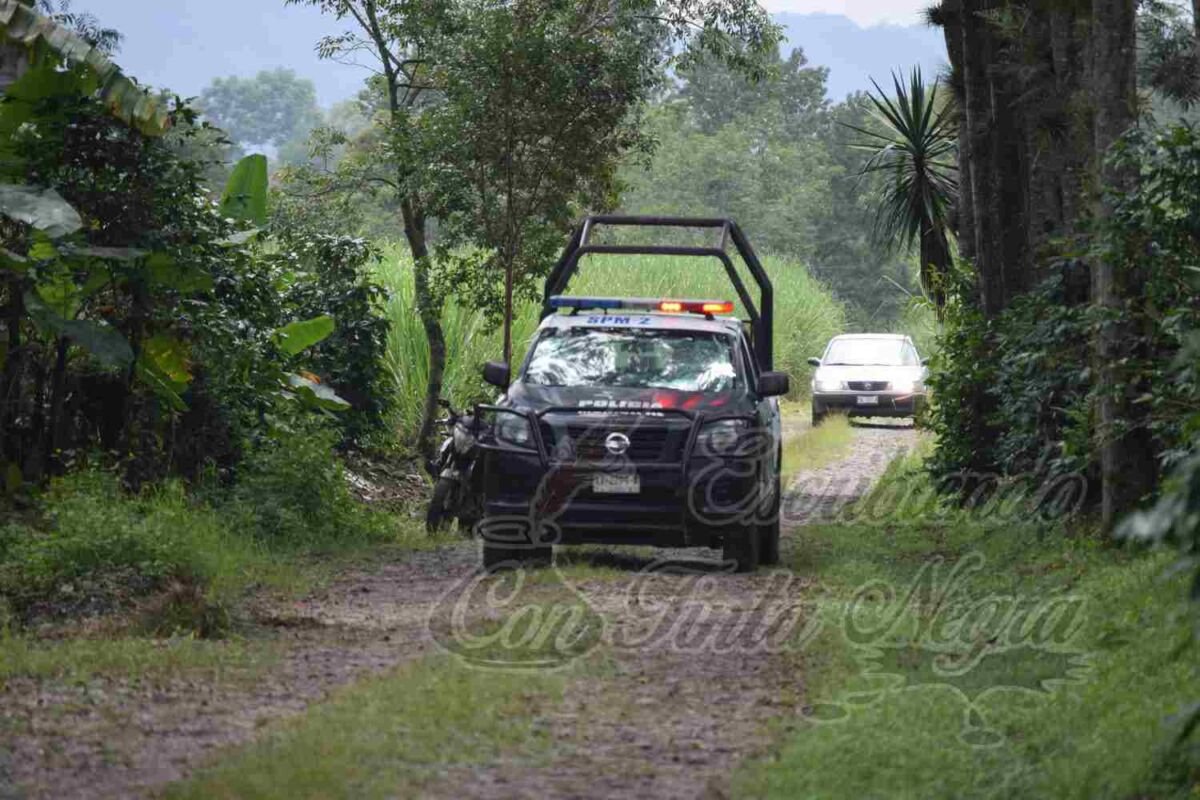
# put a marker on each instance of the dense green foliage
(776, 157)
(140, 318)
(90, 547)
(1024, 383)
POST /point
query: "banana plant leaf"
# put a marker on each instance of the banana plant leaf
(43, 209)
(124, 99)
(245, 196)
(295, 337)
(314, 395)
(105, 343)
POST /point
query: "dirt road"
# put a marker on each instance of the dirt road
(687, 693)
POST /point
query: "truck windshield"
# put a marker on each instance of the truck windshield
(870, 352)
(687, 361)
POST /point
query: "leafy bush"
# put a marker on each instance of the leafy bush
(100, 549)
(331, 276)
(292, 493)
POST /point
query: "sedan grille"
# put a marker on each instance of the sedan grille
(869, 386)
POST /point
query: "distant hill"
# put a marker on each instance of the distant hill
(183, 45)
(854, 54)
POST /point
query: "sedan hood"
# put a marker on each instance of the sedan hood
(869, 373)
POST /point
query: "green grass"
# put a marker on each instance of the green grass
(390, 736)
(899, 729)
(806, 448)
(806, 316)
(82, 660)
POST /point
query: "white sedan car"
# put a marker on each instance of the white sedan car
(868, 375)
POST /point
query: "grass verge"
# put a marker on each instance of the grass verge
(806, 448)
(942, 692)
(389, 736)
(82, 660)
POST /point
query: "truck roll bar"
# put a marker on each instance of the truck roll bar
(762, 316)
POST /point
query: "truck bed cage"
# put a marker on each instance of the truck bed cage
(762, 316)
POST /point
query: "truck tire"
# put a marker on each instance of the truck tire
(817, 417)
(768, 547)
(742, 548)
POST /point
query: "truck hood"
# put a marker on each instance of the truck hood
(623, 399)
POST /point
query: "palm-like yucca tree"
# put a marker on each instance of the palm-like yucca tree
(915, 149)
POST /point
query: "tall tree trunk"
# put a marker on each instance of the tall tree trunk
(508, 309)
(1126, 457)
(431, 321)
(964, 212)
(13, 372)
(413, 216)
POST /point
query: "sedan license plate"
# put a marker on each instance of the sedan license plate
(868, 399)
(621, 483)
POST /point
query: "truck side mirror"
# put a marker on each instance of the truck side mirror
(497, 374)
(814, 362)
(774, 384)
(924, 362)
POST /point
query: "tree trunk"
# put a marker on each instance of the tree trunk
(11, 377)
(964, 211)
(414, 232)
(1127, 464)
(508, 310)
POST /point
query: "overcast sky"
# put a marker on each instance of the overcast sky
(183, 44)
(864, 12)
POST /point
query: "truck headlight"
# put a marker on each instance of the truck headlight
(908, 387)
(829, 386)
(723, 436)
(514, 430)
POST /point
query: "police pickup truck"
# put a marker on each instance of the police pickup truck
(637, 421)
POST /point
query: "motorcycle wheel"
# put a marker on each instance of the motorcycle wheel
(437, 516)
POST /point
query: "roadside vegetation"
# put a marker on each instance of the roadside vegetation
(1100, 712)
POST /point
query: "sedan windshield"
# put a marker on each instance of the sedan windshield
(687, 361)
(871, 352)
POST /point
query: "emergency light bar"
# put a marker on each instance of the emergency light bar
(705, 307)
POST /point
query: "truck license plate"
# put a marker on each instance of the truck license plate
(620, 483)
(868, 399)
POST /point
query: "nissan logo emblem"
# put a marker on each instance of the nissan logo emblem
(617, 444)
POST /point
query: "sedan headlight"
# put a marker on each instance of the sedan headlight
(824, 385)
(514, 429)
(908, 387)
(723, 436)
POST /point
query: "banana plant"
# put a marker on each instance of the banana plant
(44, 38)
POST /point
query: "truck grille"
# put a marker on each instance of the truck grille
(868, 386)
(585, 441)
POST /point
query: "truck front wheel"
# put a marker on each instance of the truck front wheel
(743, 548)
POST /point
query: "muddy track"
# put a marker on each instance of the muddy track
(670, 716)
